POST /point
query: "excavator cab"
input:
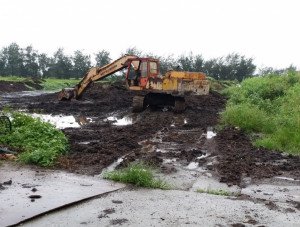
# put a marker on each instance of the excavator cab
(139, 71)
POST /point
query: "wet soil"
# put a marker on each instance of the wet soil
(156, 135)
(7, 86)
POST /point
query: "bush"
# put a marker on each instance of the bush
(248, 117)
(270, 106)
(41, 141)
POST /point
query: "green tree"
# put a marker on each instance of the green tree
(13, 60)
(270, 70)
(60, 65)
(3, 63)
(102, 58)
(31, 67)
(132, 51)
(81, 64)
(186, 62)
(44, 64)
(198, 65)
(191, 63)
(230, 67)
(211, 68)
(167, 63)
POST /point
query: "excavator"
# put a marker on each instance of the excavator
(143, 75)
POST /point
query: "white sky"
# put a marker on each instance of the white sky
(267, 30)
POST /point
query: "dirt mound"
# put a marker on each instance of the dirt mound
(34, 83)
(7, 86)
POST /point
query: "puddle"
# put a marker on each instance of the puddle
(202, 156)
(112, 166)
(286, 178)
(126, 120)
(169, 160)
(179, 121)
(25, 93)
(193, 165)
(88, 142)
(157, 144)
(62, 121)
(209, 133)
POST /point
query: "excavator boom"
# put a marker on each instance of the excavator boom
(94, 74)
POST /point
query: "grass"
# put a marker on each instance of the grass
(139, 175)
(12, 78)
(48, 84)
(52, 84)
(41, 142)
(214, 192)
(270, 107)
(219, 85)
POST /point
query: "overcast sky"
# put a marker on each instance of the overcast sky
(266, 30)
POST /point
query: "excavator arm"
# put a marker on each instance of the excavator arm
(95, 74)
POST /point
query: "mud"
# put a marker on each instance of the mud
(7, 86)
(157, 135)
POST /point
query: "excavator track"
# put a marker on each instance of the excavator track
(138, 104)
(179, 105)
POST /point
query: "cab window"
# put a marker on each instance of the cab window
(144, 71)
(153, 67)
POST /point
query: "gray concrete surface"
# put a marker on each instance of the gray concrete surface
(27, 191)
(148, 207)
(270, 202)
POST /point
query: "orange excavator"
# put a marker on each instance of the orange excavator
(143, 75)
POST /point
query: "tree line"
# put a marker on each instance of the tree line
(28, 62)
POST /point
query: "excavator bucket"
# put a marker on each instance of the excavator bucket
(67, 94)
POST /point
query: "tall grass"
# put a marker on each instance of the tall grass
(269, 106)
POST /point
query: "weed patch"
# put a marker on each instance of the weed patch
(214, 192)
(41, 141)
(269, 106)
(138, 174)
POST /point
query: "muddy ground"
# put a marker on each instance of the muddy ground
(26, 85)
(156, 136)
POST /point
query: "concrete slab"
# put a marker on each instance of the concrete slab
(149, 207)
(28, 192)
